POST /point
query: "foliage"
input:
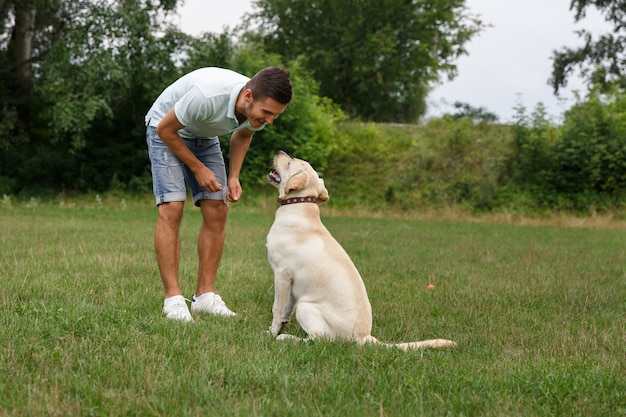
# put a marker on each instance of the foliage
(98, 65)
(533, 150)
(443, 163)
(533, 167)
(601, 61)
(210, 49)
(591, 158)
(577, 166)
(72, 118)
(478, 114)
(376, 59)
(85, 52)
(90, 93)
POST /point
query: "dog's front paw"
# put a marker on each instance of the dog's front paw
(276, 327)
(274, 330)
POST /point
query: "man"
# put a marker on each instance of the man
(182, 129)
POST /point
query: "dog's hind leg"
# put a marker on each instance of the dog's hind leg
(312, 321)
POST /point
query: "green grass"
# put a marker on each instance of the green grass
(539, 313)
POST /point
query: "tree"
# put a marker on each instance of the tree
(601, 62)
(65, 66)
(74, 120)
(17, 32)
(377, 59)
(477, 114)
(71, 51)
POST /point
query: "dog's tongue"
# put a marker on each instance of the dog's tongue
(273, 176)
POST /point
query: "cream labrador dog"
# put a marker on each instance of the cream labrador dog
(313, 274)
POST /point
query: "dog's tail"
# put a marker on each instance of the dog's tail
(426, 344)
(422, 344)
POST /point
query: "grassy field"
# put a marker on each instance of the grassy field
(539, 313)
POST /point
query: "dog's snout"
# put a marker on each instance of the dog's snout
(274, 177)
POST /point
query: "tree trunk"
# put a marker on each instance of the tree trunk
(2, 4)
(25, 13)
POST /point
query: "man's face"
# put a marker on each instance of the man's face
(259, 112)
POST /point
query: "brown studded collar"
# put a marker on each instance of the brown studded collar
(296, 200)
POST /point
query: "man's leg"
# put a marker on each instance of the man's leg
(210, 243)
(167, 245)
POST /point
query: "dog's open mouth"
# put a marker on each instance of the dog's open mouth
(273, 177)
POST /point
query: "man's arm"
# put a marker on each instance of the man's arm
(168, 132)
(239, 143)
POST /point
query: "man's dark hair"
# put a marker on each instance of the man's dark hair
(272, 82)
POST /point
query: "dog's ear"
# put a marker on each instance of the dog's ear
(297, 182)
(323, 195)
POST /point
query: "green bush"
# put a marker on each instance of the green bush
(590, 160)
(578, 165)
(535, 166)
(535, 137)
(445, 162)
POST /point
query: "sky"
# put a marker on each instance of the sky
(508, 63)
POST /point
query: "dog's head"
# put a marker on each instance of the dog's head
(296, 178)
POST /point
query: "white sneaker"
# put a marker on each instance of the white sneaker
(175, 308)
(210, 303)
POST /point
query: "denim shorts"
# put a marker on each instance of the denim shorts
(169, 174)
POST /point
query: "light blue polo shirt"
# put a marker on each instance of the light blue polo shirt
(204, 102)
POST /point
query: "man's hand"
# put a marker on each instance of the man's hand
(239, 144)
(234, 190)
(207, 180)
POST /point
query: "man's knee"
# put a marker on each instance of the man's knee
(171, 213)
(214, 211)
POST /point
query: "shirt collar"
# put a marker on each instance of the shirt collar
(231, 111)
